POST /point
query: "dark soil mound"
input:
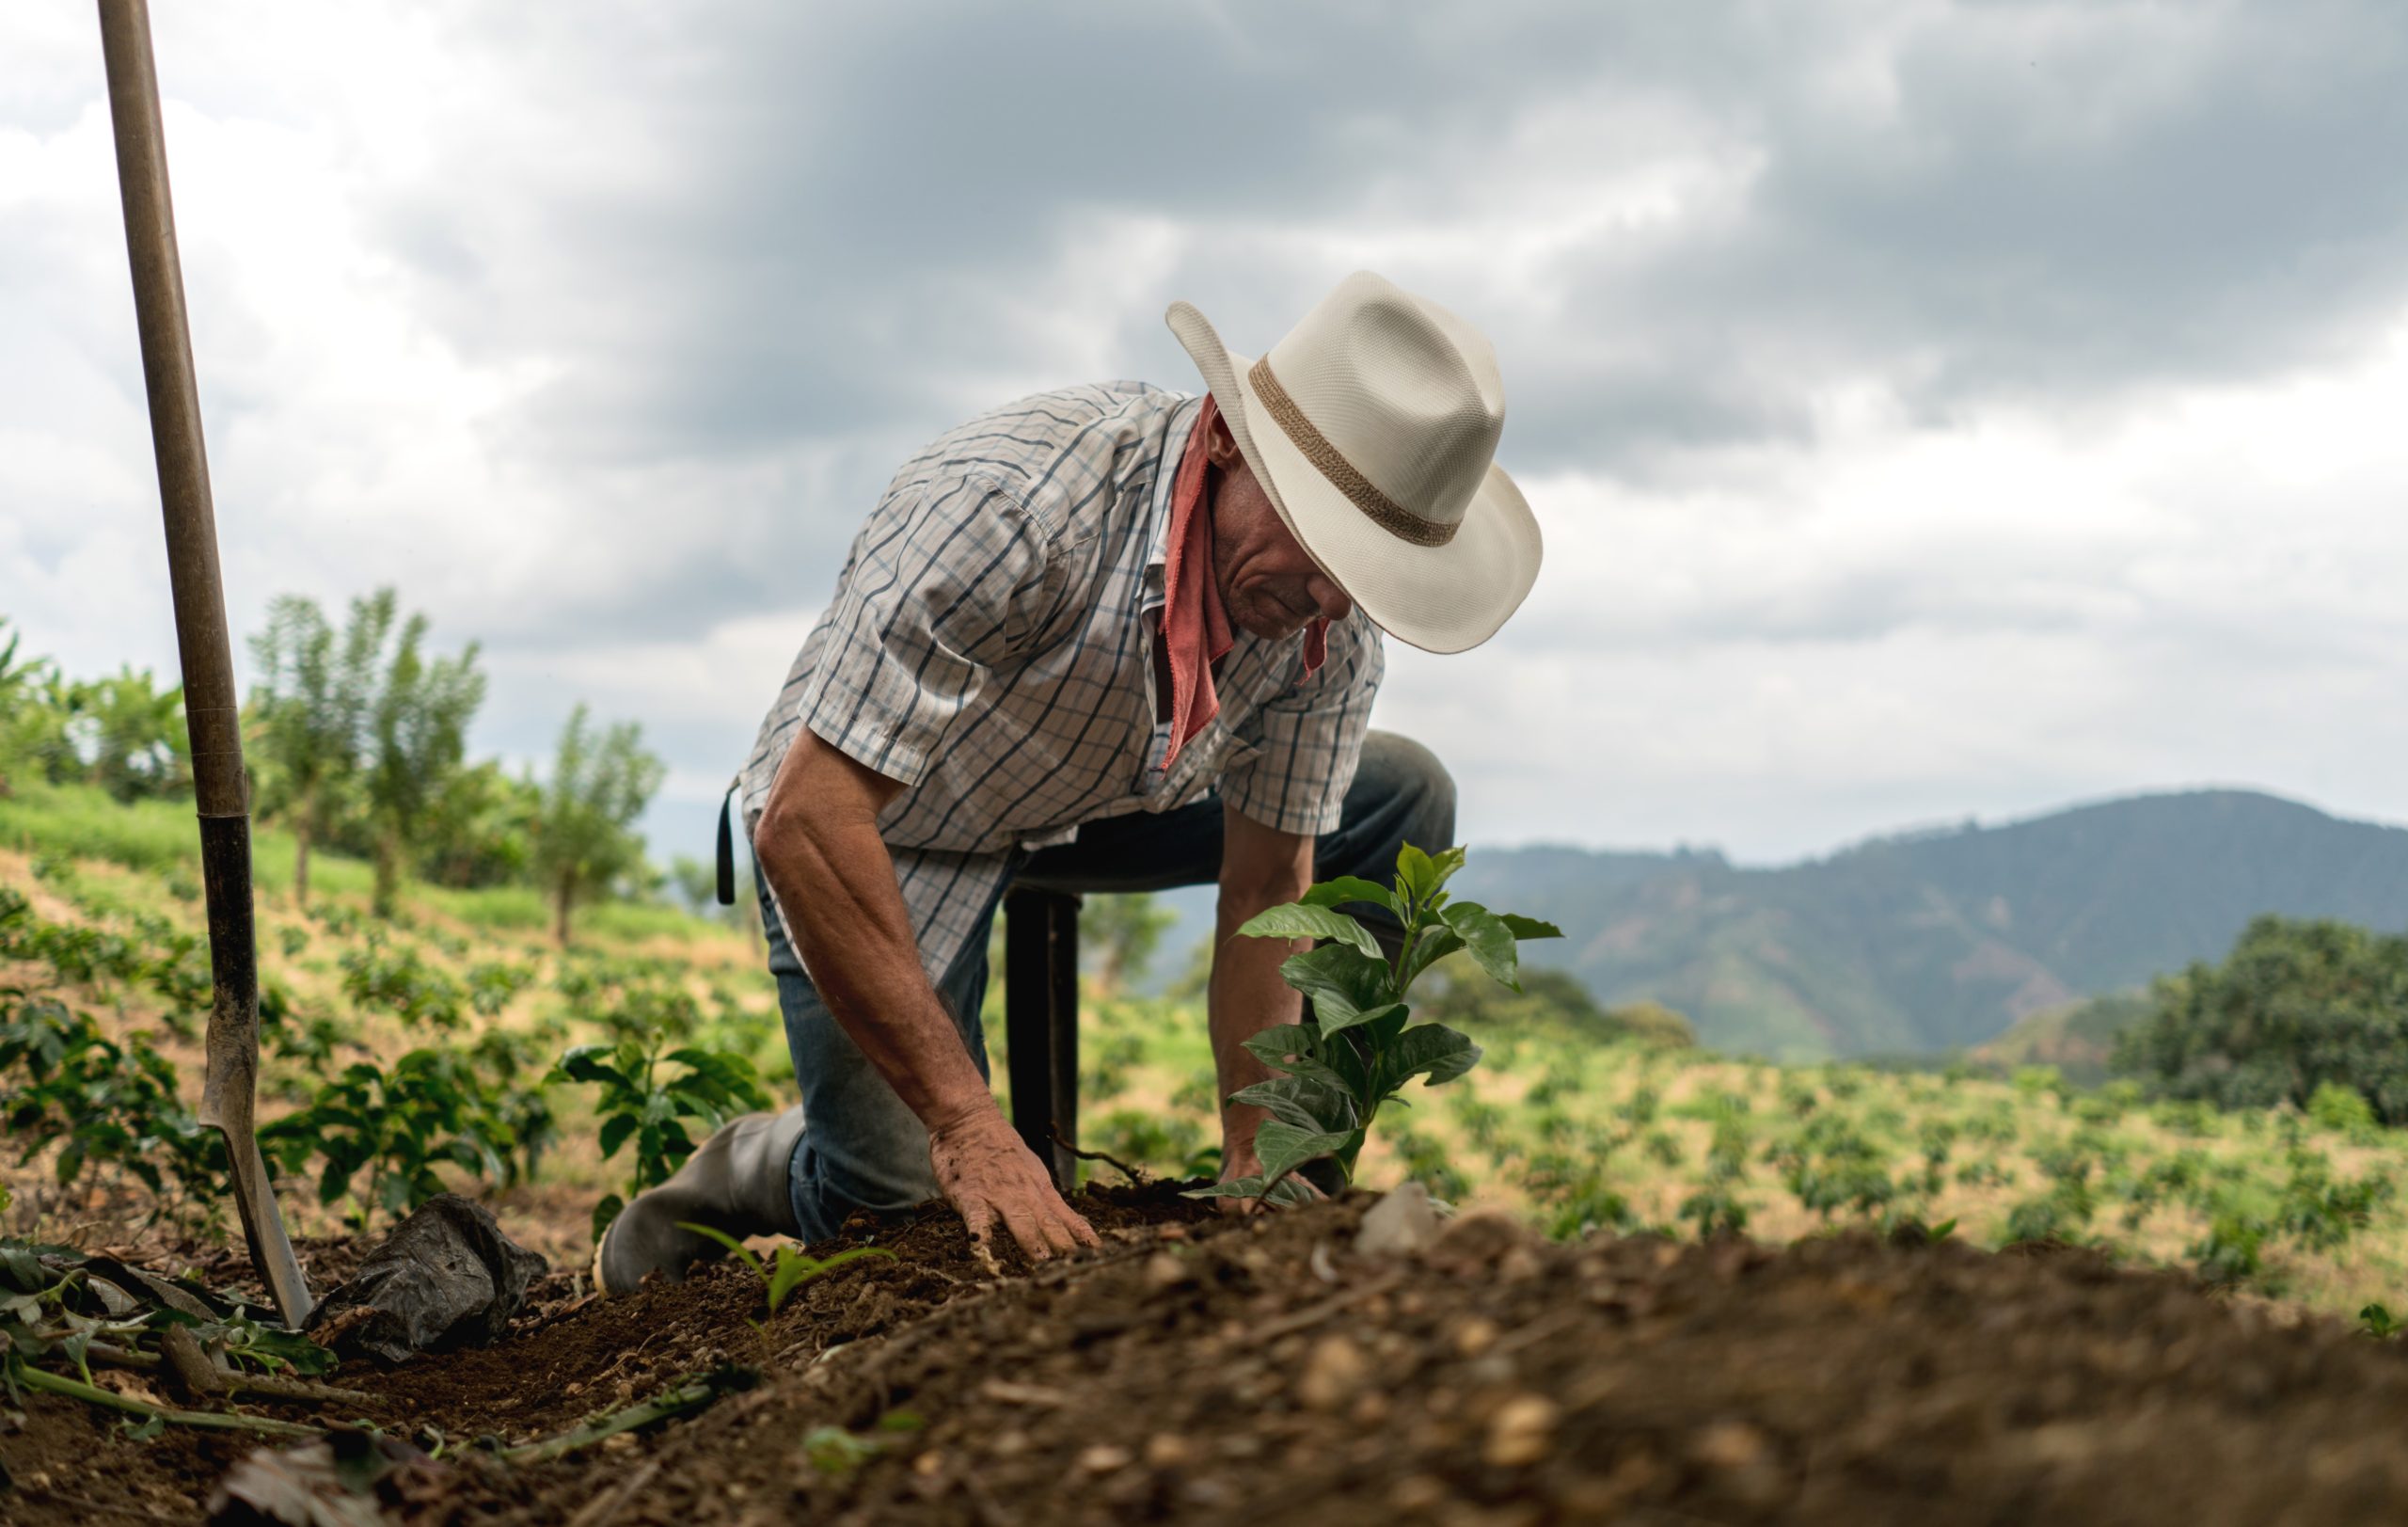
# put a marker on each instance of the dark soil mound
(1258, 1371)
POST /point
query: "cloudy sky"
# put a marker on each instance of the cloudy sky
(1934, 409)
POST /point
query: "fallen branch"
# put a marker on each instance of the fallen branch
(36, 1379)
(203, 1374)
(1115, 1162)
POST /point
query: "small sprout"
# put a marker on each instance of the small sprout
(792, 1266)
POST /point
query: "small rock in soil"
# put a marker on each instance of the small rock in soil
(1335, 1372)
(1522, 1432)
(1400, 1224)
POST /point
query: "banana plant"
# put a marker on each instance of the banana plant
(1359, 1045)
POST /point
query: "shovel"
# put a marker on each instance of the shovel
(211, 718)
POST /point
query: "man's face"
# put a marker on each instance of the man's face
(1269, 585)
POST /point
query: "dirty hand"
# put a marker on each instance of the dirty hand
(986, 1172)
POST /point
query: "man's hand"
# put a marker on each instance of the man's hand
(819, 847)
(987, 1172)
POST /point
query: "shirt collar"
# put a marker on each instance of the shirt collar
(1182, 424)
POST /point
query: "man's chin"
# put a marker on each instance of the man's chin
(1268, 628)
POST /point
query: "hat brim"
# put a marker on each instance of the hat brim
(1440, 598)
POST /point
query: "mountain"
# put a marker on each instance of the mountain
(1935, 941)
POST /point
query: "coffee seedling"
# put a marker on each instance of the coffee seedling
(1358, 1048)
(793, 1266)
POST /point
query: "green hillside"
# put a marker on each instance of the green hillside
(1940, 941)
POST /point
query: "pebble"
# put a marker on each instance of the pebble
(1335, 1371)
(1165, 1271)
(1522, 1432)
(1103, 1458)
(1164, 1450)
(1475, 1336)
(1402, 1222)
(1416, 1492)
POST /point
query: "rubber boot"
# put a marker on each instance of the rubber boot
(736, 1182)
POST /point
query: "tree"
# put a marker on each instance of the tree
(2295, 1006)
(308, 713)
(1123, 930)
(479, 830)
(24, 712)
(584, 834)
(417, 716)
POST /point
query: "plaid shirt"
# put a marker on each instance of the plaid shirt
(990, 646)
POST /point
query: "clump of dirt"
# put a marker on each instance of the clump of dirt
(1209, 1369)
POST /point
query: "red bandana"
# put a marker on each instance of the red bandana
(1195, 626)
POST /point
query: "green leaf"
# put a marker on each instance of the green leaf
(1521, 927)
(1274, 1045)
(1303, 1100)
(1436, 943)
(1347, 889)
(589, 1063)
(1422, 875)
(1431, 1048)
(616, 1131)
(731, 1243)
(1489, 940)
(796, 1268)
(1283, 1147)
(1296, 920)
(1335, 1021)
(1339, 972)
(1289, 1190)
(1238, 1187)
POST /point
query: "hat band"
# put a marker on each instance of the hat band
(1331, 463)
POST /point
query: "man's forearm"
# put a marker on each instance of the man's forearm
(1245, 998)
(850, 928)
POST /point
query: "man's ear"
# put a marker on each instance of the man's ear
(1221, 447)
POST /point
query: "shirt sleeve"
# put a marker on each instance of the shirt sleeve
(1312, 736)
(946, 581)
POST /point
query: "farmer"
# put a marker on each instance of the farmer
(1106, 639)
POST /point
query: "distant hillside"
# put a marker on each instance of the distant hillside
(1941, 940)
(2079, 1039)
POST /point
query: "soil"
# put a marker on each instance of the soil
(1208, 1369)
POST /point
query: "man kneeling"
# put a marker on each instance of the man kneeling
(1106, 639)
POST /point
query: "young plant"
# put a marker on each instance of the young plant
(1357, 1050)
(792, 1267)
(647, 1096)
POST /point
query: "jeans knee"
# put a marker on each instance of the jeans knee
(1412, 777)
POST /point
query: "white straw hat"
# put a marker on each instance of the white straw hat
(1373, 427)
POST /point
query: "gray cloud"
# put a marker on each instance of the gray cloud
(736, 260)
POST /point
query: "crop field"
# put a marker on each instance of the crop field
(1582, 1136)
(1627, 1333)
(99, 918)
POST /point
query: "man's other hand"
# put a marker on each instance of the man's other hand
(987, 1174)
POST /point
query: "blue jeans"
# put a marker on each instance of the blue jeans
(863, 1148)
